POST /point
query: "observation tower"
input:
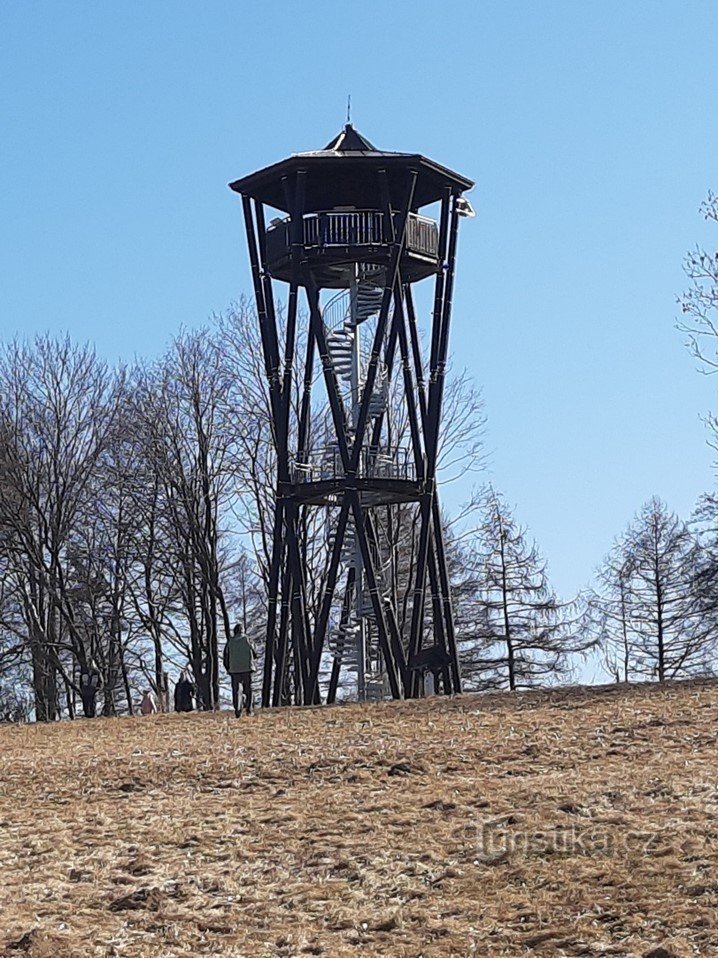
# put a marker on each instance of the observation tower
(356, 397)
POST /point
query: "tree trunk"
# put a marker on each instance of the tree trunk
(510, 661)
(44, 682)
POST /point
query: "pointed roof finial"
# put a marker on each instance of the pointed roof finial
(349, 109)
(350, 141)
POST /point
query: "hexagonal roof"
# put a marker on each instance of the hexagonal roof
(344, 174)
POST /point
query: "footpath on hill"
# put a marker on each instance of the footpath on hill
(571, 822)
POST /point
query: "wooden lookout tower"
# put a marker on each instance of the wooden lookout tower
(356, 402)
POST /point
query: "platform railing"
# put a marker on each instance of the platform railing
(325, 465)
(349, 228)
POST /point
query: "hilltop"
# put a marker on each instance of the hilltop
(363, 829)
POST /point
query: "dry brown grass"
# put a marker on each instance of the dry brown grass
(356, 829)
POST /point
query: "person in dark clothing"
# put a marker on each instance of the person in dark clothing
(239, 663)
(184, 694)
(90, 683)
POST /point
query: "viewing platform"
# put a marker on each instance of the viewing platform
(384, 476)
(331, 238)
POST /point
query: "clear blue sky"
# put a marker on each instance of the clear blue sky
(589, 127)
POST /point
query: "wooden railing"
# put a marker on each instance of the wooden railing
(325, 464)
(349, 228)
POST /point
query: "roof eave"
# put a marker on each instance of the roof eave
(276, 170)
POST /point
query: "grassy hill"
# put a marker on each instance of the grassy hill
(576, 822)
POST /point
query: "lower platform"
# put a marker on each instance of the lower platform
(372, 492)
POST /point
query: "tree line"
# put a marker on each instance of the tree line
(652, 610)
(135, 529)
(136, 514)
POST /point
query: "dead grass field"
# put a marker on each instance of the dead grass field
(357, 829)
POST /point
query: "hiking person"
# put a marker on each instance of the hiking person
(239, 663)
(148, 705)
(90, 683)
(184, 693)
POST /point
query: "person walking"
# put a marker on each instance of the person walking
(90, 683)
(239, 663)
(184, 693)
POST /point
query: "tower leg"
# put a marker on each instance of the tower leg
(379, 611)
(437, 612)
(320, 628)
(443, 570)
(272, 601)
(417, 607)
(279, 694)
(300, 621)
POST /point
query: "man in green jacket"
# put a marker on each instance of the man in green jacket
(239, 662)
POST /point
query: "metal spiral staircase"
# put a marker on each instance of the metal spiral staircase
(343, 316)
(350, 642)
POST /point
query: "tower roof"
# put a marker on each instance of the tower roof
(350, 140)
(344, 172)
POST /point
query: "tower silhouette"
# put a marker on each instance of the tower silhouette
(356, 417)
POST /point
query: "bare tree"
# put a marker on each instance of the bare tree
(189, 436)
(699, 303)
(704, 525)
(58, 405)
(522, 635)
(129, 511)
(652, 590)
(608, 614)
(100, 554)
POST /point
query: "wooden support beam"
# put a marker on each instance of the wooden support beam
(280, 658)
(389, 353)
(377, 603)
(414, 426)
(390, 279)
(443, 570)
(326, 604)
(270, 645)
(416, 352)
(437, 373)
(300, 620)
(330, 377)
(392, 625)
(269, 350)
(295, 201)
(439, 347)
(437, 611)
